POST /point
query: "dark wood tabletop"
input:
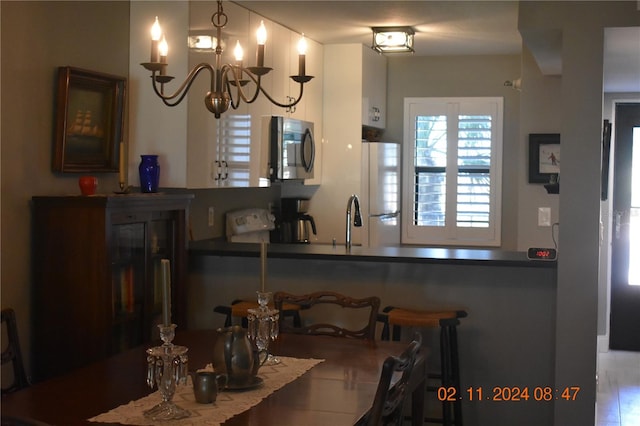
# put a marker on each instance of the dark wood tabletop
(337, 391)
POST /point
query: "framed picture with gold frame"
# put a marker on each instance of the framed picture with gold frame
(89, 122)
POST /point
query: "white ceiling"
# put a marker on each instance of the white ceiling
(442, 28)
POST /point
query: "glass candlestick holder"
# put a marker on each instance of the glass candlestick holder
(264, 297)
(167, 367)
(263, 324)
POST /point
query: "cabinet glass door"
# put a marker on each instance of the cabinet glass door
(127, 285)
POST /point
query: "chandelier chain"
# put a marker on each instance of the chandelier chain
(219, 19)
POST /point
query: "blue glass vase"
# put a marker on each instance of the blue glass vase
(149, 173)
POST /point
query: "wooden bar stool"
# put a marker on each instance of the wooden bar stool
(449, 375)
(239, 309)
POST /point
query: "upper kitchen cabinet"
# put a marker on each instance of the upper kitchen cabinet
(220, 152)
(310, 106)
(374, 88)
(286, 64)
(343, 92)
(286, 55)
(313, 90)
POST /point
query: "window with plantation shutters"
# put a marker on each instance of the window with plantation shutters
(452, 171)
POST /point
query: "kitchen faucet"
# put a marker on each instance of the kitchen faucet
(357, 219)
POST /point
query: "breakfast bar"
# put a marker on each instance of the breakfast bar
(400, 254)
(507, 340)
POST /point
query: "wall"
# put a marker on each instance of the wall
(223, 200)
(580, 108)
(38, 37)
(540, 112)
(409, 76)
(156, 128)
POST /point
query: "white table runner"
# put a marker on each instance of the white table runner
(227, 404)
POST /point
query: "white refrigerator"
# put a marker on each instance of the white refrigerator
(380, 194)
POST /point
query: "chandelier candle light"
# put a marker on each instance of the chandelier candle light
(227, 80)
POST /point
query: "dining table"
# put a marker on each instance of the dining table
(337, 390)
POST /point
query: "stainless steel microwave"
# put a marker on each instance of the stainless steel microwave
(292, 148)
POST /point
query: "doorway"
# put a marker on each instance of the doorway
(624, 329)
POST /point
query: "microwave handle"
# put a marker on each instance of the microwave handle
(308, 138)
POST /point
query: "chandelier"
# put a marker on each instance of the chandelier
(229, 82)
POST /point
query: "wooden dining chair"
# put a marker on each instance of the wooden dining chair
(11, 353)
(447, 320)
(368, 306)
(389, 400)
(239, 308)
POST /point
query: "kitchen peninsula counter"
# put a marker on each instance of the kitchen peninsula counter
(401, 254)
(508, 338)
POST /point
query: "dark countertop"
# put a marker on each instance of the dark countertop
(402, 254)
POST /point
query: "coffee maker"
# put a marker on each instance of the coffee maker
(297, 226)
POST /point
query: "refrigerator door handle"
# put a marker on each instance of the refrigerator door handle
(385, 215)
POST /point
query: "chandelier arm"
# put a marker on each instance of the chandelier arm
(182, 91)
(257, 92)
(238, 83)
(259, 88)
(235, 104)
(281, 105)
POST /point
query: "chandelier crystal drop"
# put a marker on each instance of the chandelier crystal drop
(229, 82)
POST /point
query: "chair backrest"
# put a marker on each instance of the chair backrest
(389, 400)
(370, 305)
(11, 353)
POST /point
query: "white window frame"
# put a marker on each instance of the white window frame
(450, 233)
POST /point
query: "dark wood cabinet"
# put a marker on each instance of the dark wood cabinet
(97, 274)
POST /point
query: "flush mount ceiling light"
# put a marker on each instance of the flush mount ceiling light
(230, 83)
(393, 39)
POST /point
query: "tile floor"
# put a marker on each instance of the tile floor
(618, 394)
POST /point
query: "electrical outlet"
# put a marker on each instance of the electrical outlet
(210, 216)
(544, 216)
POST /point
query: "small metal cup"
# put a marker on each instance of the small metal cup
(206, 385)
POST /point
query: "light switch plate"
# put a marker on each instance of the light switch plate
(544, 216)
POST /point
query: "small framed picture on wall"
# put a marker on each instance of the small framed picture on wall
(544, 157)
